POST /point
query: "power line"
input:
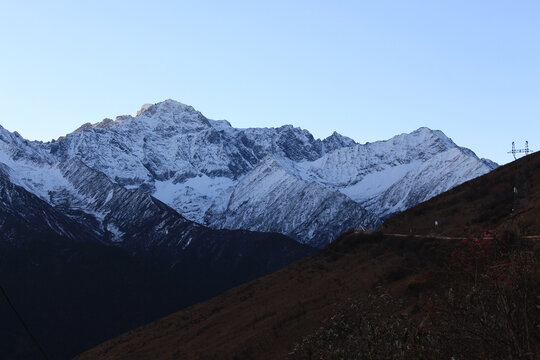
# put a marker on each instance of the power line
(23, 323)
(515, 151)
(520, 184)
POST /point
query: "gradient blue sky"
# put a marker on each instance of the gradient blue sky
(367, 69)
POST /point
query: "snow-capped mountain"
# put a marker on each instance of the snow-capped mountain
(269, 198)
(390, 176)
(266, 179)
(107, 259)
(101, 210)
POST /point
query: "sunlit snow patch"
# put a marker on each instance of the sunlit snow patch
(194, 196)
(377, 182)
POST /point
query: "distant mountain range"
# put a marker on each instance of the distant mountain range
(185, 207)
(264, 179)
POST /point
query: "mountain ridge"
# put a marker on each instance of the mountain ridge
(174, 153)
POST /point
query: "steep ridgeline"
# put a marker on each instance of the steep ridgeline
(111, 213)
(268, 179)
(84, 258)
(270, 198)
(23, 213)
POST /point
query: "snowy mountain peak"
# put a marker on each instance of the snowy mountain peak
(428, 135)
(143, 109)
(172, 106)
(337, 141)
(174, 116)
(423, 142)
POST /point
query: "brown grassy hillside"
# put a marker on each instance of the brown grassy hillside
(381, 296)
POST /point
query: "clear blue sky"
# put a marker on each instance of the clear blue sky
(367, 69)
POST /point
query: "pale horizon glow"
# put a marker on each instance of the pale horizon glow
(368, 70)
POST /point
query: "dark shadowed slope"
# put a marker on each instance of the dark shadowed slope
(260, 319)
(75, 291)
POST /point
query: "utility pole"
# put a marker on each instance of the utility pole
(520, 183)
(515, 151)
